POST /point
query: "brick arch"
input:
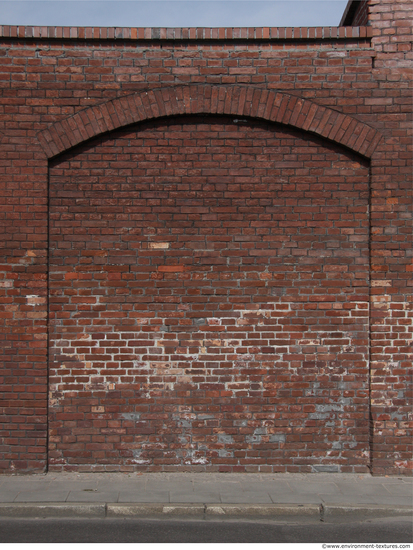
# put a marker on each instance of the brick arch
(204, 99)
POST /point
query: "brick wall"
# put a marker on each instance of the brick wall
(361, 16)
(391, 246)
(205, 260)
(356, 13)
(213, 310)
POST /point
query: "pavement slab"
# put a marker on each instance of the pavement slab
(305, 498)
(401, 490)
(313, 488)
(146, 497)
(179, 496)
(245, 497)
(241, 491)
(46, 496)
(8, 497)
(97, 496)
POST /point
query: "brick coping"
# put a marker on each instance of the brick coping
(187, 33)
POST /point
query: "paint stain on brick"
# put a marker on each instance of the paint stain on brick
(159, 246)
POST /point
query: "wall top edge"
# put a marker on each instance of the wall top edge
(187, 33)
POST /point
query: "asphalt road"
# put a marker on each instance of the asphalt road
(383, 530)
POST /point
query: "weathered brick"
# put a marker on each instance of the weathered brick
(223, 289)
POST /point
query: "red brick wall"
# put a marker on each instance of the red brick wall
(391, 247)
(361, 17)
(78, 252)
(356, 13)
(209, 300)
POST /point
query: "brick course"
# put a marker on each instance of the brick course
(207, 248)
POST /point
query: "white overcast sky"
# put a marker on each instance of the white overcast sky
(173, 13)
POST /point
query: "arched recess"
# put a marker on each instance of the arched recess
(241, 102)
(204, 99)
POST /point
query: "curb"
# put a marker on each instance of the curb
(129, 510)
(53, 510)
(122, 510)
(263, 509)
(133, 510)
(332, 511)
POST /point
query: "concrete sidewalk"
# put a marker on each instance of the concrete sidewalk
(114, 494)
